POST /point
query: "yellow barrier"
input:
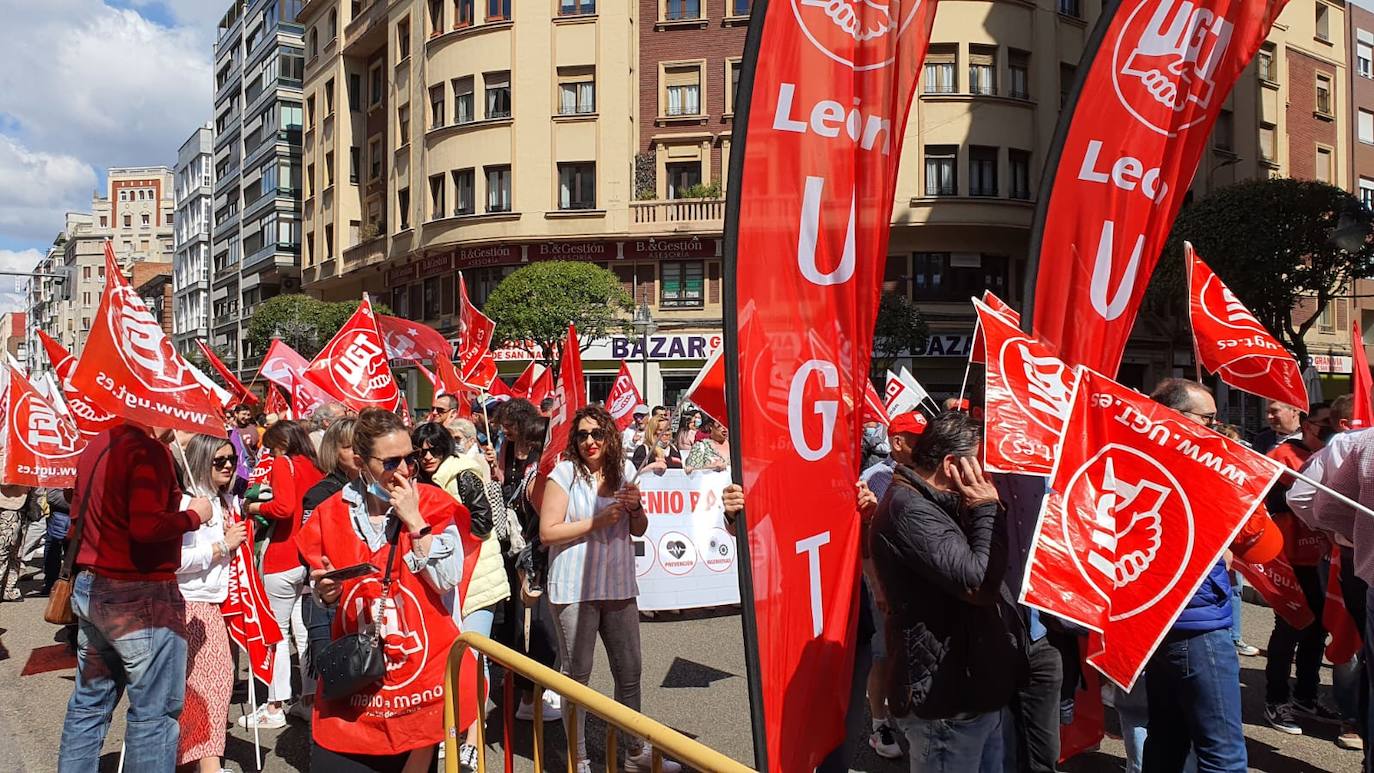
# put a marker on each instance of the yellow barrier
(665, 740)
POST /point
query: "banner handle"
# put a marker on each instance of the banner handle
(968, 365)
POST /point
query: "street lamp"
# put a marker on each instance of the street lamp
(645, 324)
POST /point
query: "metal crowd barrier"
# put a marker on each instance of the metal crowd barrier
(576, 697)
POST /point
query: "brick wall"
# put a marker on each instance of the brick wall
(1305, 127)
(159, 275)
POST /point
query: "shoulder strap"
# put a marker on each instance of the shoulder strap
(390, 562)
(74, 544)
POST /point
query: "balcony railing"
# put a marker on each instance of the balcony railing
(685, 214)
(365, 253)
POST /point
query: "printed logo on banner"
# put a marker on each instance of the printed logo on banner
(44, 433)
(1119, 550)
(644, 556)
(676, 553)
(1041, 386)
(836, 25)
(1217, 298)
(406, 642)
(358, 370)
(719, 551)
(1165, 62)
(143, 346)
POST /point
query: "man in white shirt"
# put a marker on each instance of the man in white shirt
(634, 434)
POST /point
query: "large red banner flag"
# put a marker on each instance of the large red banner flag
(524, 385)
(707, 391)
(476, 328)
(247, 612)
(979, 353)
(1026, 397)
(1143, 503)
(41, 444)
(241, 393)
(1361, 383)
(874, 409)
(623, 399)
(543, 387)
(1232, 343)
(353, 365)
(409, 340)
(130, 368)
(90, 418)
(816, 148)
(568, 396)
(1154, 78)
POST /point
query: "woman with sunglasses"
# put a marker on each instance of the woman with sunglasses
(396, 724)
(590, 509)
(206, 554)
(295, 471)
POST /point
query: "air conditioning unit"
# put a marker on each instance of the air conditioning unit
(290, 284)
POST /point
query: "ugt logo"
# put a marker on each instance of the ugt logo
(359, 369)
(1225, 308)
(146, 350)
(860, 34)
(41, 430)
(1040, 384)
(1166, 60)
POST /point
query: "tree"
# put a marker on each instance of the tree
(304, 323)
(899, 329)
(535, 305)
(1285, 247)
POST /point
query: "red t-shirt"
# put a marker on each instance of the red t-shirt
(127, 492)
(290, 480)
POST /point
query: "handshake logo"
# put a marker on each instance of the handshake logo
(1166, 62)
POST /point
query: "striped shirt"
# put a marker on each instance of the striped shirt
(601, 565)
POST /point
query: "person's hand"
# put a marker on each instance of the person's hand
(868, 501)
(733, 499)
(326, 590)
(234, 535)
(879, 597)
(489, 453)
(659, 467)
(719, 466)
(972, 483)
(628, 497)
(405, 497)
(609, 515)
(201, 507)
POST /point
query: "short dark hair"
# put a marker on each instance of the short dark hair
(658, 408)
(1177, 393)
(291, 439)
(449, 397)
(1342, 408)
(436, 437)
(372, 424)
(242, 407)
(546, 404)
(952, 433)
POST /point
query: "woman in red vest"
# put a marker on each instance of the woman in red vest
(396, 724)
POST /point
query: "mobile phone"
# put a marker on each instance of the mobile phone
(351, 572)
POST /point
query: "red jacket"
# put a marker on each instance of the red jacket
(1302, 546)
(127, 492)
(291, 477)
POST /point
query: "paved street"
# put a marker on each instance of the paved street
(693, 681)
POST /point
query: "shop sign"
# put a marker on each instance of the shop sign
(1327, 363)
(671, 249)
(667, 347)
(402, 274)
(572, 251)
(436, 264)
(945, 346)
(489, 255)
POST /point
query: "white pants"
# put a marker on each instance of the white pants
(284, 594)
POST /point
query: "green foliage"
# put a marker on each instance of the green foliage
(536, 303)
(899, 328)
(1273, 242)
(304, 323)
(709, 190)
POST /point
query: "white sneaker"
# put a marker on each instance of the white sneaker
(553, 710)
(263, 719)
(584, 766)
(644, 761)
(300, 710)
(884, 742)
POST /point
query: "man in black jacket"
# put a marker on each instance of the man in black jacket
(940, 547)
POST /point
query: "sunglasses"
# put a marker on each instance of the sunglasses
(225, 462)
(422, 453)
(392, 463)
(437, 409)
(582, 435)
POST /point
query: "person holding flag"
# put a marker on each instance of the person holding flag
(204, 582)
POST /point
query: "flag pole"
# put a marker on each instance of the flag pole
(1342, 498)
(968, 365)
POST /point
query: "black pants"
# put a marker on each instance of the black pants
(1035, 710)
(322, 759)
(508, 628)
(53, 550)
(1287, 643)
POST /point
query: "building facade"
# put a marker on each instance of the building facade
(193, 192)
(1360, 64)
(46, 294)
(14, 335)
(255, 238)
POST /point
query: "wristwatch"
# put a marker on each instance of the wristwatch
(423, 531)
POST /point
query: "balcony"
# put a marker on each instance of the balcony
(365, 253)
(678, 215)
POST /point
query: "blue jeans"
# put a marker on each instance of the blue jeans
(1193, 686)
(1237, 585)
(971, 743)
(132, 637)
(1133, 709)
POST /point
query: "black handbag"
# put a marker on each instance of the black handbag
(357, 661)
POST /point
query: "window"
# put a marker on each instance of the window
(1324, 170)
(436, 17)
(982, 171)
(146, 219)
(376, 85)
(681, 177)
(682, 90)
(464, 192)
(1324, 106)
(940, 76)
(1366, 126)
(576, 91)
(328, 169)
(682, 285)
(310, 111)
(577, 186)
(1264, 64)
(403, 39)
(355, 160)
(1364, 56)
(1018, 73)
(1367, 192)
(941, 177)
(403, 125)
(436, 197)
(463, 109)
(679, 10)
(1224, 135)
(1323, 22)
(436, 107)
(403, 207)
(313, 43)
(949, 276)
(355, 92)
(104, 221)
(1267, 135)
(982, 70)
(576, 7)
(498, 94)
(732, 71)
(498, 188)
(498, 10)
(739, 7)
(329, 241)
(1018, 164)
(374, 158)
(329, 97)
(464, 13)
(128, 221)
(1069, 8)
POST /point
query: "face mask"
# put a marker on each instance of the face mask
(376, 489)
(875, 440)
(696, 422)
(1326, 433)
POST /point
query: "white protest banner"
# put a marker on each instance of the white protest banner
(686, 559)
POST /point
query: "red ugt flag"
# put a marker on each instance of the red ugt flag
(241, 392)
(409, 340)
(41, 443)
(130, 367)
(1362, 391)
(979, 353)
(525, 383)
(246, 611)
(1027, 397)
(623, 399)
(90, 418)
(874, 410)
(353, 365)
(1143, 503)
(1234, 345)
(570, 395)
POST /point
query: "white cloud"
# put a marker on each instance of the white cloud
(12, 292)
(37, 189)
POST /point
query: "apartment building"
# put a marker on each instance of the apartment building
(14, 335)
(255, 238)
(193, 192)
(45, 296)
(1360, 52)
